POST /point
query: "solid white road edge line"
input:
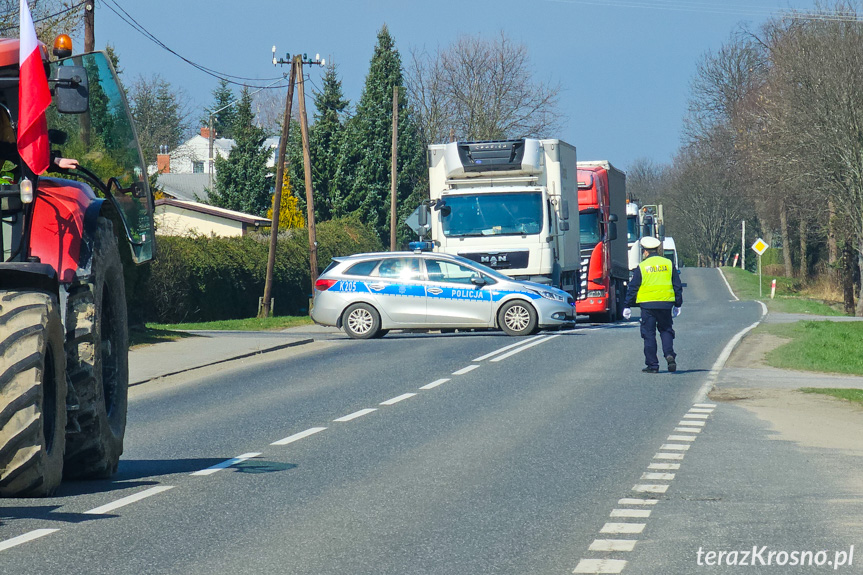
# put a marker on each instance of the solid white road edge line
(356, 414)
(298, 436)
(397, 399)
(503, 349)
(225, 464)
(435, 383)
(524, 347)
(728, 285)
(29, 536)
(701, 395)
(105, 509)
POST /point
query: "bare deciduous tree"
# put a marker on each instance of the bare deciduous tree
(479, 89)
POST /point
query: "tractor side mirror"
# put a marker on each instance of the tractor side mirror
(71, 90)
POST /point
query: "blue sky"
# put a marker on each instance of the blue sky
(624, 66)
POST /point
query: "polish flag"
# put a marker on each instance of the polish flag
(34, 96)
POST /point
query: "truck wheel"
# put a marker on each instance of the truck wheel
(361, 321)
(517, 317)
(97, 362)
(33, 392)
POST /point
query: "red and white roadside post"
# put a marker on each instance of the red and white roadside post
(773, 289)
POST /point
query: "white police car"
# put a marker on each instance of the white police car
(369, 294)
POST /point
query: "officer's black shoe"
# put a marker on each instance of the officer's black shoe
(650, 370)
(672, 363)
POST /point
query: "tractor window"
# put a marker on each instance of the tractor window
(104, 141)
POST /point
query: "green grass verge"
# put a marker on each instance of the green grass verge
(852, 395)
(162, 332)
(825, 346)
(250, 324)
(745, 286)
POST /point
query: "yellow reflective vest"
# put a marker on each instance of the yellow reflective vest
(655, 280)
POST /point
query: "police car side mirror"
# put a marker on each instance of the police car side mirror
(478, 280)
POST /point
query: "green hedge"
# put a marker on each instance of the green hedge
(213, 278)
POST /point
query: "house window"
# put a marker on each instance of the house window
(197, 167)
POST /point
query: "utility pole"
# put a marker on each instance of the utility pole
(265, 310)
(296, 78)
(89, 25)
(307, 165)
(743, 247)
(394, 169)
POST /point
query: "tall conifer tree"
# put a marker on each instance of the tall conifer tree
(363, 175)
(241, 179)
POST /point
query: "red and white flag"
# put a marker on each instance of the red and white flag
(34, 96)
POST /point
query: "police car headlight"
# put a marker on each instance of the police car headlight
(552, 295)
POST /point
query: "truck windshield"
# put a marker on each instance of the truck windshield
(589, 226)
(506, 213)
(631, 229)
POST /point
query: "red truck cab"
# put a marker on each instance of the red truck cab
(604, 266)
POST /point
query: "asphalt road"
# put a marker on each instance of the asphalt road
(415, 453)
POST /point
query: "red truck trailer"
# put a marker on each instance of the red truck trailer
(604, 265)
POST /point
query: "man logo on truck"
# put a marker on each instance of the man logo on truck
(493, 260)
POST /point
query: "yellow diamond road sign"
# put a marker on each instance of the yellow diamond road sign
(760, 246)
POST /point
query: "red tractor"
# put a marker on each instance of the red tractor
(66, 244)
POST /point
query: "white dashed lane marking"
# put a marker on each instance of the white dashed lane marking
(657, 476)
(623, 528)
(637, 501)
(435, 383)
(664, 466)
(613, 545)
(524, 347)
(465, 370)
(398, 398)
(642, 513)
(681, 438)
(298, 436)
(507, 348)
(600, 566)
(30, 536)
(674, 447)
(105, 509)
(356, 414)
(226, 464)
(650, 488)
(668, 456)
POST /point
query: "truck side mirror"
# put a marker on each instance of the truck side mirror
(564, 210)
(661, 232)
(612, 229)
(72, 90)
(564, 226)
(423, 215)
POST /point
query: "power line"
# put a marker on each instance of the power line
(130, 20)
(729, 9)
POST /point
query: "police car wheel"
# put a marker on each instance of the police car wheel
(517, 318)
(361, 321)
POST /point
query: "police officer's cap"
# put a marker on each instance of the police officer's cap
(650, 243)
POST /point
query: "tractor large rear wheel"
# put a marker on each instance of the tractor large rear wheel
(32, 394)
(97, 361)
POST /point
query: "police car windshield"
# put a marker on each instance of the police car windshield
(505, 213)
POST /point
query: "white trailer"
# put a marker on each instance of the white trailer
(506, 204)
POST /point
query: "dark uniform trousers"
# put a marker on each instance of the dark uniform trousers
(652, 320)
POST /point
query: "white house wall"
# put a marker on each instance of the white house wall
(173, 221)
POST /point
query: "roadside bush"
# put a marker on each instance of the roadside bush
(214, 278)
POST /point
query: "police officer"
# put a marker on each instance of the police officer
(655, 286)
